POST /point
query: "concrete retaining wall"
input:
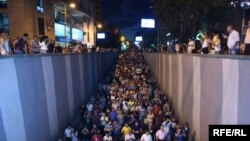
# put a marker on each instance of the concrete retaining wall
(39, 95)
(205, 89)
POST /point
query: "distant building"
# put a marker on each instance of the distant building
(31, 16)
(98, 11)
(80, 20)
(47, 17)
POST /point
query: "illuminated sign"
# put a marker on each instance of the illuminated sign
(77, 34)
(147, 23)
(100, 35)
(138, 38)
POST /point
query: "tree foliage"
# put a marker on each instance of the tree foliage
(184, 18)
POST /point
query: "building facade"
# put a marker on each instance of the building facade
(98, 11)
(48, 17)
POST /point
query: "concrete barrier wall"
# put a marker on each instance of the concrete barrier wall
(205, 89)
(39, 95)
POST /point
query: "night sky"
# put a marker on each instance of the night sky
(126, 14)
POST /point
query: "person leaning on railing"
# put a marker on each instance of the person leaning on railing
(20, 44)
(5, 44)
(35, 45)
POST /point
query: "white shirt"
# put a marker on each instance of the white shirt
(90, 107)
(2, 49)
(205, 43)
(216, 44)
(146, 137)
(191, 46)
(247, 38)
(107, 138)
(67, 132)
(161, 134)
(233, 37)
(138, 70)
(167, 126)
(115, 106)
(129, 137)
(43, 46)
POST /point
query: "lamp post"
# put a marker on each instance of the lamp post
(71, 5)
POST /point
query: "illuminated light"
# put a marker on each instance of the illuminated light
(123, 46)
(137, 44)
(168, 34)
(72, 5)
(199, 36)
(99, 26)
(77, 34)
(138, 38)
(147, 23)
(100, 35)
(152, 45)
(127, 43)
(60, 33)
(122, 38)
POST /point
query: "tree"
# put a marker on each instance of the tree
(184, 18)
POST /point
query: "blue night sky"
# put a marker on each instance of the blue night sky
(126, 14)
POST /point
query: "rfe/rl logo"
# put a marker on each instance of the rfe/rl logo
(229, 132)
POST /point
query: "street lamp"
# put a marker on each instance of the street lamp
(122, 39)
(99, 26)
(71, 5)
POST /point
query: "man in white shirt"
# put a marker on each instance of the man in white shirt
(247, 41)
(233, 41)
(146, 137)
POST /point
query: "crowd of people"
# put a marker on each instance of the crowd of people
(211, 43)
(42, 45)
(129, 106)
(214, 45)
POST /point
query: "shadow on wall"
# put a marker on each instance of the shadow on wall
(193, 136)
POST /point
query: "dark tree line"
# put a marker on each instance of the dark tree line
(184, 18)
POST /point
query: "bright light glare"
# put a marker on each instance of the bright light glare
(168, 34)
(122, 39)
(99, 26)
(72, 5)
(138, 38)
(147, 23)
(100, 35)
